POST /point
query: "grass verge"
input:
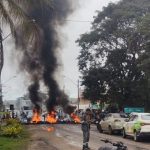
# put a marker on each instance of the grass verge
(10, 143)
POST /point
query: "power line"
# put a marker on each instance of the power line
(6, 36)
(78, 21)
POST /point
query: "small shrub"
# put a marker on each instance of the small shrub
(13, 131)
(12, 128)
(12, 121)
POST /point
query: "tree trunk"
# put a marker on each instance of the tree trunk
(1, 66)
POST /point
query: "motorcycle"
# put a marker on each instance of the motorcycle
(115, 146)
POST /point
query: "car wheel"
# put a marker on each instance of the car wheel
(99, 128)
(110, 131)
(136, 136)
(124, 133)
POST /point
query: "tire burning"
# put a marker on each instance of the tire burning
(51, 117)
(36, 118)
(75, 118)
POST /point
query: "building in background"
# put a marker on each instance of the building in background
(83, 103)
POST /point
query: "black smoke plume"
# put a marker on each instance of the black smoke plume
(33, 90)
(39, 59)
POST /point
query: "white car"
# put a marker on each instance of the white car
(138, 125)
(112, 122)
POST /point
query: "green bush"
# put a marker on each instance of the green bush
(12, 128)
(13, 131)
(12, 121)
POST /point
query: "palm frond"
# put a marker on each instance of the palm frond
(28, 3)
(31, 34)
(5, 18)
(27, 25)
(15, 11)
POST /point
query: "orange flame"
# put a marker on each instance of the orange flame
(36, 117)
(75, 118)
(51, 117)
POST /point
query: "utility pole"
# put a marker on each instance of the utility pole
(78, 88)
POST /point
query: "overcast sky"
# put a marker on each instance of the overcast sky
(13, 82)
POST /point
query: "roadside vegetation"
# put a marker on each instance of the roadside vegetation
(13, 135)
(115, 55)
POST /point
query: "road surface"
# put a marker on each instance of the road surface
(69, 137)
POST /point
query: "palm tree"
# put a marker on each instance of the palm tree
(13, 14)
(1, 66)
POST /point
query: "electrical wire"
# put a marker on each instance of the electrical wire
(6, 37)
(78, 21)
(84, 21)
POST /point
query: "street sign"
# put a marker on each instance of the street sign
(95, 106)
(134, 109)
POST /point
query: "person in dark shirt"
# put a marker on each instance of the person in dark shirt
(85, 126)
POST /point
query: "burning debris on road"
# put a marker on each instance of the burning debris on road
(36, 118)
(75, 118)
(51, 118)
(39, 57)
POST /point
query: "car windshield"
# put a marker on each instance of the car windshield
(145, 117)
(120, 115)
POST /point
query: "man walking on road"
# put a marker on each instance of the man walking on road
(85, 126)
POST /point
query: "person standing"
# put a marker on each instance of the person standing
(85, 126)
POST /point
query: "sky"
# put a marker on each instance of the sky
(14, 83)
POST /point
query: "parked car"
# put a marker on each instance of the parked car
(112, 122)
(138, 125)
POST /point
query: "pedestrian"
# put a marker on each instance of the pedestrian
(85, 126)
(23, 116)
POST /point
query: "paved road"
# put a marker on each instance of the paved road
(69, 137)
